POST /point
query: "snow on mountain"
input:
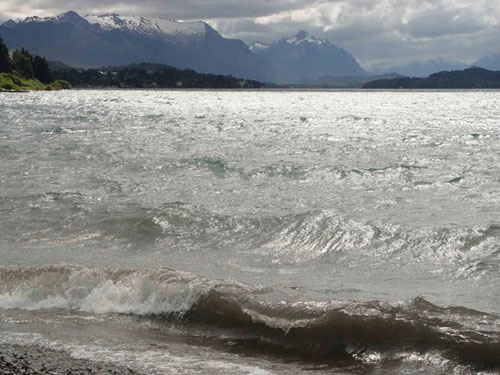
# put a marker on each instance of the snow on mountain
(304, 37)
(147, 26)
(305, 58)
(110, 39)
(40, 19)
(136, 24)
(258, 46)
(299, 38)
(70, 16)
(9, 23)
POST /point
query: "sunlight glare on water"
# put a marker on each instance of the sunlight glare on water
(375, 203)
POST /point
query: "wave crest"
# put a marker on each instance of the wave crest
(241, 313)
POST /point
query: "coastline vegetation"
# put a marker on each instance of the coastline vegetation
(148, 76)
(23, 71)
(471, 78)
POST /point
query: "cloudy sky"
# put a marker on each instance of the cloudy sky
(376, 32)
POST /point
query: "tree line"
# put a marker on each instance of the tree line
(145, 75)
(149, 76)
(470, 78)
(24, 64)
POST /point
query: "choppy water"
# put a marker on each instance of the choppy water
(254, 232)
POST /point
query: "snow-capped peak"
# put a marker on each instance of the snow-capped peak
(259, 46)
(304, 37)
(9, 23)
(148, 26)
(142, 25)
(63, 17)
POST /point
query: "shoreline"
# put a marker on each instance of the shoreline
(34, 360)
(13, 91)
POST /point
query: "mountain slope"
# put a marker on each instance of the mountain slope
(491, 62)
(423, 68)
(305, 58)
(94, 41)
(471, 78)
(350, 82)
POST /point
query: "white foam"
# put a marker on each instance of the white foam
(100, 291)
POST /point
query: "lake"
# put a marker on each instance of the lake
(253, 232)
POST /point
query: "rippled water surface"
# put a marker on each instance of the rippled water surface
(254, 232)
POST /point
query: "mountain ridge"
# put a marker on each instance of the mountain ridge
(470, 78)
(114, 40)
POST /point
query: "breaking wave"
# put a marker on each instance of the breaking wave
(243, 314)
(464, 252)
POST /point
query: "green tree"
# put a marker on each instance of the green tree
(22, 63)
(41, 70)
(5, 61)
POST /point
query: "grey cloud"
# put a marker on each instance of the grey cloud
(179, 9)
(440, 21)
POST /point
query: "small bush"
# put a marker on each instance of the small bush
(9, 86)
(6, 82)
(17, 80)
(10, 81)
(65, 85)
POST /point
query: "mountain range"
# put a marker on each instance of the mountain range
(110, 39)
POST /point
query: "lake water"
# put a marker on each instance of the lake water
(253, 232)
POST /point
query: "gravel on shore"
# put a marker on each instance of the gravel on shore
(34, 360)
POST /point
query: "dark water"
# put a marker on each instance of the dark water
(254, 232)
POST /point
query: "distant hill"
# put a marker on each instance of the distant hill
(349, 82)
(146, 75)
(472, 78)
(423, 68)
(110, 39)
(305, 58)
